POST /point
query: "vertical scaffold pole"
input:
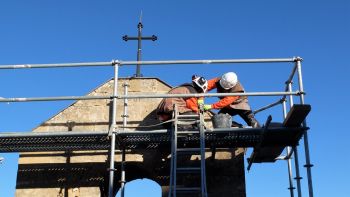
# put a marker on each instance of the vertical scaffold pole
(124, 116)
(291, 101)
(295, 151)
(289, 161)
(308, 165)
(202, 147)
(112, 132)
(298, 178)
(122, 181)
(173, 165)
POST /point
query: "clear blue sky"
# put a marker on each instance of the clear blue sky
(47, 31)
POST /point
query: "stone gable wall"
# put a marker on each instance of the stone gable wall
(84, 173)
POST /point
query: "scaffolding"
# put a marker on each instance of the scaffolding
(284, 136)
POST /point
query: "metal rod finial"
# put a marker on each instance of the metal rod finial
(125, 38)
(154, 38)
(140, 17)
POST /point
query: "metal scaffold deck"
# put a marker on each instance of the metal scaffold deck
(268, 142)
(62, 141)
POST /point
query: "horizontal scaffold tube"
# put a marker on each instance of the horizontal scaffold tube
(130, 132)
(208, 95)
(87, 64)
(146, 96)
(272, 60)
(123, 63)
(62, 98)
(75, 133)
(269, 106)
(51, 134)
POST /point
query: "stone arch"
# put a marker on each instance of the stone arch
(141, 187)
(150, 164)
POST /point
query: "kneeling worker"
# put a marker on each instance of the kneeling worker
(233, 105)
(184, 105)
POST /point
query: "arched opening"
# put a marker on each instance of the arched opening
(141, 187)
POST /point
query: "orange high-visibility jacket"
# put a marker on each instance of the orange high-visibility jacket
(237, 102)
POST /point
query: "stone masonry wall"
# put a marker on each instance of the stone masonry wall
(84, 173)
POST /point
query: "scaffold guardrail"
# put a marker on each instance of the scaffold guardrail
(114, 133)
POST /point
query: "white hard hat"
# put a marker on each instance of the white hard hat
(228, 80)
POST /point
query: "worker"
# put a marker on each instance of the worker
(233, 105)
(185, 106)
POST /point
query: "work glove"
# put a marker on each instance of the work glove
(207, 107)
(200, 102)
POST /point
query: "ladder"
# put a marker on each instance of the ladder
(177, 170)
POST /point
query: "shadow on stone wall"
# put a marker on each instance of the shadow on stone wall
(145, 124)
(223, 177)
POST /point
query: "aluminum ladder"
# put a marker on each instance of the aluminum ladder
(176, 170)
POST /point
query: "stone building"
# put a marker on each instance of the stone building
(84, 173)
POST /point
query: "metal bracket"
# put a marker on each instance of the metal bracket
(112, 129)
(114, 62)
(298, 178)
(308, 165)
(296, 59)
(289, 81)
(258, 146)
(213, 152)
(301, 92)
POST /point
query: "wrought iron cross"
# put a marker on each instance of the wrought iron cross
(139, 38)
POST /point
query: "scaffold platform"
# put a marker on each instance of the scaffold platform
(285, 134)
(268, 142)
(62, 141)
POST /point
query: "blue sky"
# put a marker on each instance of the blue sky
(48, 31)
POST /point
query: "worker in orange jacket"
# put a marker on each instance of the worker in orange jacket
(187, 105)
(233, 105)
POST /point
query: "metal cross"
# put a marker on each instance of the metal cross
(139, 38)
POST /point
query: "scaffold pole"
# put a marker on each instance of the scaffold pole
(113, 134)
(308, 164)
(289, 161)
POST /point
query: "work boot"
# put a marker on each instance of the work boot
(253, 122)
(236, 124)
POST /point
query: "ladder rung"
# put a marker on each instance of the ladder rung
(189, 170)
(189, 122)
(188, 189)
(188, 116)
(188, 151)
